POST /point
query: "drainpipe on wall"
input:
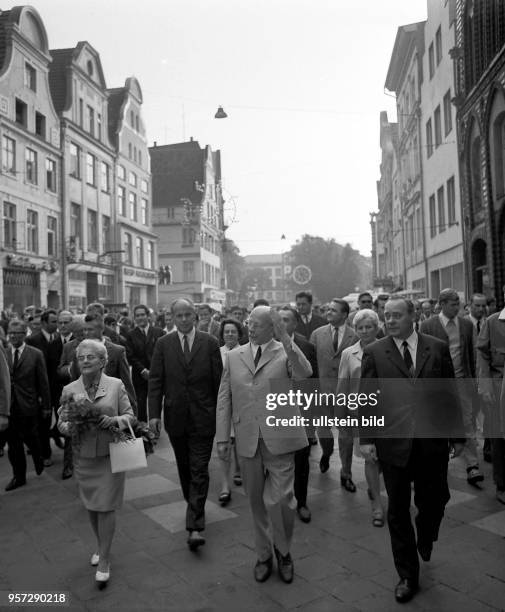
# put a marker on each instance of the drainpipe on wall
(63, 220)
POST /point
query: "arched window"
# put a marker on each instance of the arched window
(474, 167)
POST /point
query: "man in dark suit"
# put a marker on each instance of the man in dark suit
(48, 342)
(290, 318)
(309, 320)
(30, 401)
(458, 333)
(139, 349)
(330, 341)
(410, 446)
(5, 398)
(184, 380)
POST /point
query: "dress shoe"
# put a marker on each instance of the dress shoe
(285, 566)
(425, 549)
(58, 443)
(95, 558)
(405, 590)
(15, 483)
(474, 475)
(324, 463)
(225, 498)
(500, 496)
(304, 514)
(263, 569)
(48, 463)
(67, 473)
(195, 539)
(102, 578)
(378, 518)
(237, 480)
(348, 484)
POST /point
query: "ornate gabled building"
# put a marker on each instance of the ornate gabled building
(30, 175)
(479, 56)
(137, 281)
(188, 219)
(80, 97)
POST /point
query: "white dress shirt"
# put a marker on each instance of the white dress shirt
(412, 345)
(190, 336)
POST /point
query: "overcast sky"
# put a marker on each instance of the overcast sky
(302, 82)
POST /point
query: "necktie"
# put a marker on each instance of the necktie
(16, 359)
(187, 352)
(335, 339)
(407, 357)
(306, 320)
(257, 357)
(478, 327)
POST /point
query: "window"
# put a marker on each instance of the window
(30, 77)
(139, 251)
(99, 126)
(75, 161)
(447, 113)
(441, 209)
(411, 228)
(188, 236)
(171, 212)
(105, 180)
(10, 233)
(188, 271)
(92, 231)
(433, 217)
(105, 287)
(75, 221)
(32, 233)
(438, 46)
(40, 125)
(132, 179)
(105, 233)
(438, 127)
(21, 113)
(51, 236)
(140, 157)
(150, 255)
(129, 150)
(429, 139)
(419, 228)
(31, 166)
(135, 154)
(132, 119)
(121, 173)
(90, 120)
(132, 199)
(81, 112)
(431, 60)
(121, 201)
(9, 155)
(137, 122)
(128, 248)
(451, 201)
(143, 212)
(144, 186)
(50, 175)
(90, 169)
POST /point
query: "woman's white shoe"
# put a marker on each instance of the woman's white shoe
(95, 558)
(102, 578)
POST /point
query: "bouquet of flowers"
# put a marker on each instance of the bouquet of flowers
(83, 416)
(141, 430)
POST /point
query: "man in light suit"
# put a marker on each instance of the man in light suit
(330, 341)
(413, 445)
(183, 382)
(458, 333)
(266, 453)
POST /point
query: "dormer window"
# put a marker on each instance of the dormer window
(90, 68)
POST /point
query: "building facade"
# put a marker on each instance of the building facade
(479, 58)
(133, 244)
(268, 278)
(188, 219)
(80, 97)
(442, 205)
(30, 188)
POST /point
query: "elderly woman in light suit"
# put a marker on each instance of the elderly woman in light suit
(101, 491)
(366, 326)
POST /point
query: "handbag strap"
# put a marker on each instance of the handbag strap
(131, 428)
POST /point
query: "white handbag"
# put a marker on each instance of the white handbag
(127, 455)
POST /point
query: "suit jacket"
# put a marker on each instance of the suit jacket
(309, 350)
(433, 327)
(328, 360)
(5, 385)
(242, 398)
(491, 350)
(52, 354)
(117, 366)
(139, 350)
(187, 392)
(30, 393)
(306, 329)
(112, 400)
(412, 407)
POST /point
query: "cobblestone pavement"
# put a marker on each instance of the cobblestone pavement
(342, 562)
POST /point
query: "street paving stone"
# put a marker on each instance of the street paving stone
(342, 563)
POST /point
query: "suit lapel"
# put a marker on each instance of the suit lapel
(423, 352)
(267, 356)
(102, 388)
(246, 356)
(394, 356)
(176, 342)
(197, 343)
